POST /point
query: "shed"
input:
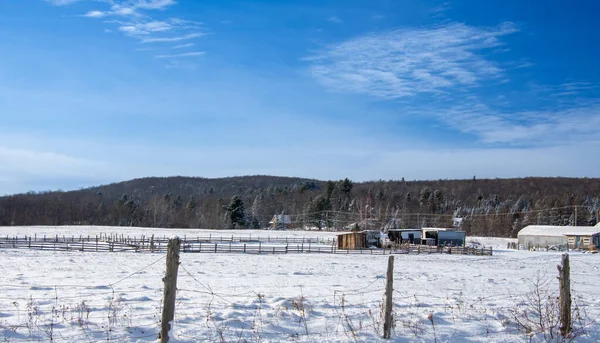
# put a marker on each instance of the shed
(582, 240)
(373, 238)
(412, 236)
(452, 238)
(352, 240)
(430, 235)
(547, 235)
(443, 236)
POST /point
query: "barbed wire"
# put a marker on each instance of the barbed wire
(324, 317)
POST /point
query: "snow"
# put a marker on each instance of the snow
(116, 297)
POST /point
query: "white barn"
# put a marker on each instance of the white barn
(547, 235)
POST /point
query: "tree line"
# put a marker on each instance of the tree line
(489, 207)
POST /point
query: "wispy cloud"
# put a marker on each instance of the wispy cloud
(172, 39)
(141, 28)
(439, 63)
(410, 61)
(188, 24)
(126, 8)
(95, 14)
(136, 22)
(567, 125)
(153, 4)
(335, 20)
(61, 2)
(183, 46)
(439, 10)
(185, 54)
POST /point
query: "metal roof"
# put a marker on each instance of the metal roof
(557, 231)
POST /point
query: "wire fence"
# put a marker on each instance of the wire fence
(127, 309)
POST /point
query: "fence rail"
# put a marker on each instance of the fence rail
(218, 244)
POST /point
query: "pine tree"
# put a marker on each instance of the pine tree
(236, 212)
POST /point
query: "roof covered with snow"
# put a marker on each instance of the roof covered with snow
(558, 231)
(440, 229)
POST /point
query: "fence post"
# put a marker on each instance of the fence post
(389, 288)
(170, 281)
(564, 271)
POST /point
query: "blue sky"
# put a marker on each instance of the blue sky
(97, 91)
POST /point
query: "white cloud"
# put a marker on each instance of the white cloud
(545, 127)
(124, 11)
(185, 54)
(95, 14)
(61, 2)
(145, 28)
(172, 39)
(153, 4)
(440, 10)
(183, 46)
(185, 23)
(335, 20)
(410, 61)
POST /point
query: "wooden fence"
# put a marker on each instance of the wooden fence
(218, 244)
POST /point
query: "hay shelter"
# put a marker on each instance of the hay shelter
(547, 235)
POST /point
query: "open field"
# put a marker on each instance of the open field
(100, 297)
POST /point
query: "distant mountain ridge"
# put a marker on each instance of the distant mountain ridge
(497, 207)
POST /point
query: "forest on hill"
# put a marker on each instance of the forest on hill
(488, 207)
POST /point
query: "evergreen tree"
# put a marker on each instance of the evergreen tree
(346, 186)
(236, 212)
(318, 211)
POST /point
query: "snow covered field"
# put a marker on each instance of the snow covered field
(116, 297)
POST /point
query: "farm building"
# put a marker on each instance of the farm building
(412, 236)
(352, 240)
(547, 235)
(373, 238)
(443, 236)
(582, 240)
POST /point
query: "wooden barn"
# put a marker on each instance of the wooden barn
(352, 240)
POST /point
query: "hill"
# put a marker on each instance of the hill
(498, 207)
